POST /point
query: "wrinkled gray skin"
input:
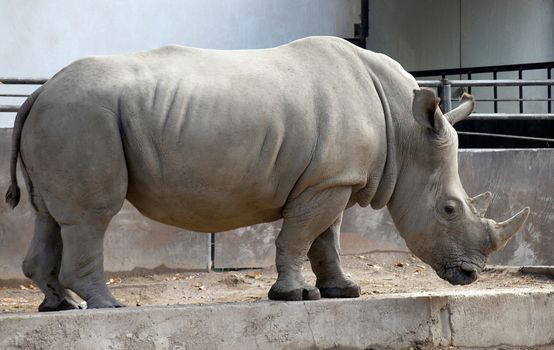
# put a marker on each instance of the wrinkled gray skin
(214, 140)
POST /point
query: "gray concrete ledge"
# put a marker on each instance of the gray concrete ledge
(474, 319)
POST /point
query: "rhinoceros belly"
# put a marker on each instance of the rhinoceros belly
(213, 161)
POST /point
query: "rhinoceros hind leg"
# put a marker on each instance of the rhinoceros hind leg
(42, 263)
(83, 263)
(304, 219)
(324, 257)
(75, 159)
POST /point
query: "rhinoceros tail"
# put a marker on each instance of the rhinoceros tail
(13, 194)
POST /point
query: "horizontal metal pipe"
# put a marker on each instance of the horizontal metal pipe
(500, 82)
(14, 95)
(471, 133)
(9, 108)
(485, 69)
(530, 99)
(23, 81)
(512, 116)
(429, 83)
(478, 116)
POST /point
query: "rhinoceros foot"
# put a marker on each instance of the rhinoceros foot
(338, 286)
(337, 292)
(103, 303)
(282, 291)
(66, 304)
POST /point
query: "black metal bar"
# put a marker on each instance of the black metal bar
(365, 19)
(482, 69)
(469, 78)
(361, 29)
(520, 76)
(495, 92)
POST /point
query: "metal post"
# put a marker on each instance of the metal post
(549, 76)
(444, 90)
(520, 76)
(495, 92)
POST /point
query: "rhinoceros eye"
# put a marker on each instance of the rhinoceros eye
(449, 210)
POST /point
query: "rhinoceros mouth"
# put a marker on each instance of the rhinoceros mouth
(461, 274)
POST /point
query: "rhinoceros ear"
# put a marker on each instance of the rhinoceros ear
(425, 109)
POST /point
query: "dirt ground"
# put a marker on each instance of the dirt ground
(376, 273)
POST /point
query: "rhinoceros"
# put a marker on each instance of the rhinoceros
(212, 140)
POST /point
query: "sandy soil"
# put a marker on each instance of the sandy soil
(376, 273)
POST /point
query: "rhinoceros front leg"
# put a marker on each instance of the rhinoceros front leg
(42, 265)
(324, 257)
(303, 220)
(82, 267)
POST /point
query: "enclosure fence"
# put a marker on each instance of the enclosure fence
(450, 84)
(444, 83)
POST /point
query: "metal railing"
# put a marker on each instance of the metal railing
(495, 83)
(517, 125)
(444, 89)
(16, 81)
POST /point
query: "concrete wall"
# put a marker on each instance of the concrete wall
(516, 177)
(434, 34)
(40, 37)
(491, 319)
(431, 34)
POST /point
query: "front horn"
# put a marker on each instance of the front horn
(502, 232)
(464, 109)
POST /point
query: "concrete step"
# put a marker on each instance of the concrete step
(473, 319)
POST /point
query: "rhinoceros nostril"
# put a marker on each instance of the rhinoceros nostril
(468, 267)
(469, 275)
(460, 273)
(470, 272)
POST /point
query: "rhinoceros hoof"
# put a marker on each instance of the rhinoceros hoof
(305, 293)
(64, 305)
(95, 303)
(336, 292)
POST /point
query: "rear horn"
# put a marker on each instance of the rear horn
(480, 203)
(467, 105)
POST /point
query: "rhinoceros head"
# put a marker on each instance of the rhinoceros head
(440, 223)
